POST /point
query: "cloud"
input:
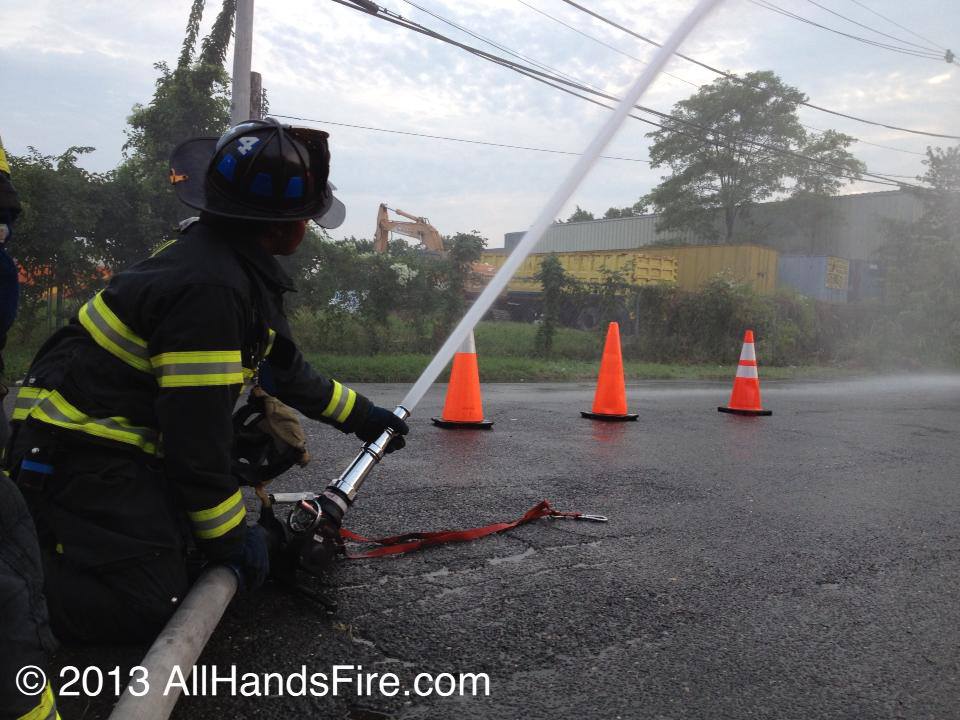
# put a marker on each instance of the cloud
(75, 70)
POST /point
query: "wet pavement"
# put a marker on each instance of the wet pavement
(797, 566)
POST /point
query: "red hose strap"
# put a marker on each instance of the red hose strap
(396, 544)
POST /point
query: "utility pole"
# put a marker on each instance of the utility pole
(256, 96)
(242, 52)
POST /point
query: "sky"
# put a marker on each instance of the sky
(71, 71)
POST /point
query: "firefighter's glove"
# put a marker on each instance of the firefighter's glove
(252, 563)
(378, 420)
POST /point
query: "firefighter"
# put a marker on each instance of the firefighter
(122, 429)
(23, 620)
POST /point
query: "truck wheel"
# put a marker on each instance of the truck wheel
(588, 318)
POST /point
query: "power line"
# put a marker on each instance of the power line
(576, 82)
(866, 41)
(601, 42)
(894, 22)
(874, 30)
(688, 82)
(734, 78)
(451, 139)
(566, 85)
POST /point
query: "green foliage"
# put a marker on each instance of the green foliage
(710, 143)
(707, 326)
(635, 210)
(59, 240)
(555, 281)
(463, 250)
(192, 99)
(580, 215)
(922, 285)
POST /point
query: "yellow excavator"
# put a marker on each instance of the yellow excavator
(420, 229)
(415, 227)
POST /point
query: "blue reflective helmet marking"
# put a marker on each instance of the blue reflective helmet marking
(294, 188)
(262, 185)
(226, 166)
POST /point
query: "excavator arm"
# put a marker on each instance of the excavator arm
(418, 228)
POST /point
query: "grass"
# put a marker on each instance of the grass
(505, 356)
(406, 368)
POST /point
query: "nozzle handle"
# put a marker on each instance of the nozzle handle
(348, 484)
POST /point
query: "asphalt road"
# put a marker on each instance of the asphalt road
(804, 565)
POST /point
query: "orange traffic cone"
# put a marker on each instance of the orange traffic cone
(745, 398)
(463, 407)
(610, 400)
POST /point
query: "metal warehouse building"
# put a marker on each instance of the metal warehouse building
(849, 226)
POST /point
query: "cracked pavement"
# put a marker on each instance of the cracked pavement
(797, 566)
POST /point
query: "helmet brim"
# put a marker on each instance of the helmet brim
(188, 169)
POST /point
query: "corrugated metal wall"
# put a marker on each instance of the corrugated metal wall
(619, 234)
(855, 229)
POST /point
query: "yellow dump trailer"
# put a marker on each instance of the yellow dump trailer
(687, 266)
(638, 268)
(754, 265)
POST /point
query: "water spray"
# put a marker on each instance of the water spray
(318, 517)
(322, 516)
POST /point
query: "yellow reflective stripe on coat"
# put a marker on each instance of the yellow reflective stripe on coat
(52, 408)
(341, 403)
(26, 399)
(271, 336)
(46, 710)
(162, 246)
(219, 520)
(110, 333)
(198, 368)
(4, 165)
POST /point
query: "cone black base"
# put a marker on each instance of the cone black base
(735, 411)
(609, 418)
(454, 425)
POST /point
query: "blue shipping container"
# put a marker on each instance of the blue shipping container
(820, 277)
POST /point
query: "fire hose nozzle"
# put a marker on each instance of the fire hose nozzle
(348, 484)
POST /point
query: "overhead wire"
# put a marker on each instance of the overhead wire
(601, 42)
(567, 85)
(929, 48)
(451, 139)
(866, 41)
(689, 82)
(894, 22)
(737, 79)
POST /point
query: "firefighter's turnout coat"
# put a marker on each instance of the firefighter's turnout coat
(152, 367)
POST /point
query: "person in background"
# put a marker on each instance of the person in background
(24, 625)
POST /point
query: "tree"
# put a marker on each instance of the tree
(463, 250)
(635, 210)
(191, 99)
(734, 143)
(554, 279)
(57, 243)
(580, 215)
(922, 263)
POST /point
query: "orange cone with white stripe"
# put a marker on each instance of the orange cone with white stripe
(610, 399)
(464, 407)
(745, 398)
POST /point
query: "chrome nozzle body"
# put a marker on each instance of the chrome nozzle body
(348, 484)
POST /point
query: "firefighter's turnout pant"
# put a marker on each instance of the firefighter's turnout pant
(111, 539)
